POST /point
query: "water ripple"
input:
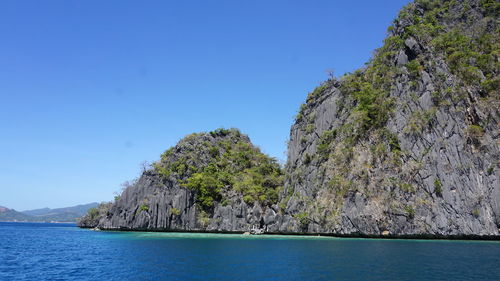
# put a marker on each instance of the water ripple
(64, 252)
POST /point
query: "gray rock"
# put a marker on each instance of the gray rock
(446, 182)
(412, 44)
(402, 59)
(158, 203)
(423, 171)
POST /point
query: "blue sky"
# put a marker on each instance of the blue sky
(90, 89)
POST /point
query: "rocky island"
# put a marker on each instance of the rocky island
(406, 146)
(215, 181)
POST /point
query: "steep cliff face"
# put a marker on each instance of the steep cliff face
(215, 181)
(408, 144)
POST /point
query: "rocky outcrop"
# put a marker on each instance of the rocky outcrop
(409, 144)
(215, 181)
(406, 146)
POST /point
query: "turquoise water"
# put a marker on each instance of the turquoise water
(64, 252)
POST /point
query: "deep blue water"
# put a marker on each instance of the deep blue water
(32, 251)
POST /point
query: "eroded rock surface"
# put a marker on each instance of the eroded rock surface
(407, 145)
(215, 181)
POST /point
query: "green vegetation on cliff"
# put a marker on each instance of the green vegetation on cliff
(474, 57)
(366, 93)
(404, 145)
(212, 164)
(440, 58)
(91, 219)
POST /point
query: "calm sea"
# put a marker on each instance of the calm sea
(33, 251)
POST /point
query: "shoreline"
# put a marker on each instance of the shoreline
(333, 235)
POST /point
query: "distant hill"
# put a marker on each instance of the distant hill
(79, 210)
(7, 214)
(68, 214)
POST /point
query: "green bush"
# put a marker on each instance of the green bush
(410, 211)
(490, 170)
(325, 140)
(300, 114)
(491, 86)
(470, 58)
(406, 187)
(317, 92)
(203, 218)
(392, 139)
(221, 132)
(476, 213)
(340, 185)
(303, 219)
(414, 68)
(257, 186)
(310, 128)
(175, 211)
(427, 4)
(214, 151)
(475, 132)
(167, 153)
(372, 106)
(93, 213)
(208, 188)
(436, 97)
(307, 159)
(491, 7)
(419, 121)
(438, 187)
(162, 170)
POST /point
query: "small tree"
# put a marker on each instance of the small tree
(145, 166)
(438, 187)
(475, 132)
(330, 72)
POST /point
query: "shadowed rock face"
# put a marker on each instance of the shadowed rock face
(163, 198)
(407, 145)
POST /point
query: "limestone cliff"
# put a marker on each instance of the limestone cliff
(215, 181)
(407, 145)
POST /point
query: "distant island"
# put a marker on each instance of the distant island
(406, 146)
(67, 214)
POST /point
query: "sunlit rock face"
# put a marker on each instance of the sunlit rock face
(407, 145)
(215, 181)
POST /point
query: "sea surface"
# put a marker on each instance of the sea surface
(40, 251)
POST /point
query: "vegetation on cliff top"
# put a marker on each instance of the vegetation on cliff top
(215, 163)
(366, 93)
(93, 215)
(428, 44)
(472, 57)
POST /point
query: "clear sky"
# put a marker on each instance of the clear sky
(90, 89)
